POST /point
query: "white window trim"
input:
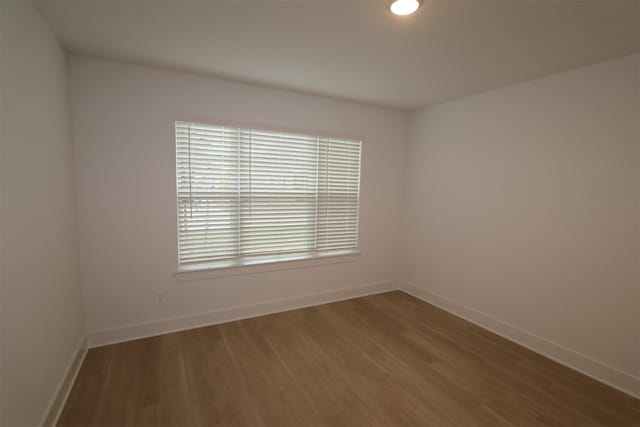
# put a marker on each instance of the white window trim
(264, 263)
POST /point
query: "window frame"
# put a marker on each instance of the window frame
(249, 264)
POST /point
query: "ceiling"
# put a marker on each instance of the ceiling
(354, 49)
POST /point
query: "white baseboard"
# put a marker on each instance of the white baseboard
(175, 324)
(61, 395)
(600, 371)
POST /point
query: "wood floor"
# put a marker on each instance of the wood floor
(382, 360)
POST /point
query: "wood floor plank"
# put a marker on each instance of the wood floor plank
(400, 359)
(374, 382)
(328, 386)
(527, 390)
(275, 398)
(383, 360)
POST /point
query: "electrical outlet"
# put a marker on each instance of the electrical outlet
(160, 297)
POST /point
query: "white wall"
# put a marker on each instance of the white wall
(42, 322)
(125, 175)
(523, 213)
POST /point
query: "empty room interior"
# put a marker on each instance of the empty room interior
(320, 213)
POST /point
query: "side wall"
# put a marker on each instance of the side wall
(522, 214)
(42, 325)
(125, 174)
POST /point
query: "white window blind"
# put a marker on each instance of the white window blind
(248, 193)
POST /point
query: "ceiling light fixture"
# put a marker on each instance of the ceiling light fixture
(404, 7)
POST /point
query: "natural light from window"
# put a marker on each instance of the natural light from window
(248, 195)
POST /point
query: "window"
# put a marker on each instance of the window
(246, 194)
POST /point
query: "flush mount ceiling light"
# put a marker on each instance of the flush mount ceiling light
(404, 7)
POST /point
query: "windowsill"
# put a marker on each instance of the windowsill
(265, 264)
